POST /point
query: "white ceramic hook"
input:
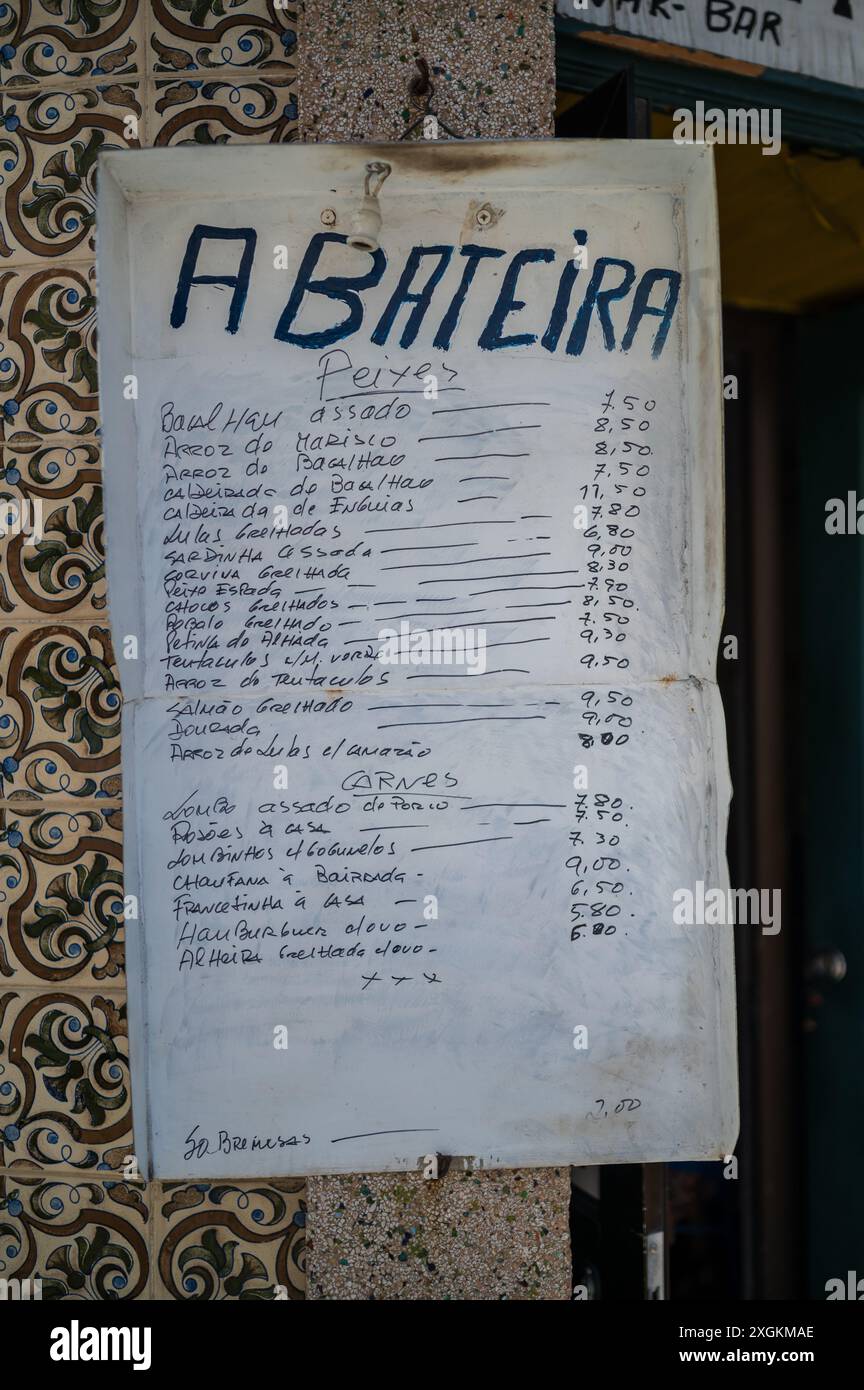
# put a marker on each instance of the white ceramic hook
(366, 224)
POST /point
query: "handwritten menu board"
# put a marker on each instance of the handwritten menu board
(415, 587)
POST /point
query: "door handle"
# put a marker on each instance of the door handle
(826, 967)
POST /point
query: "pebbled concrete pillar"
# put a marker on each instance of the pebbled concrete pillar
(492, 67)
(468, 1235)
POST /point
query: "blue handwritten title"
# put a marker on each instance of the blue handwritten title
(611, 280)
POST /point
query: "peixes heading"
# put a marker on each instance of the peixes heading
(610, 292)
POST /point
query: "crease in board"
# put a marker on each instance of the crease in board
(219, 694)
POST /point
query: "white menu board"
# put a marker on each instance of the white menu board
(415, 559)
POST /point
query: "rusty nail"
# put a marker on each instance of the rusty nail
(420, 86)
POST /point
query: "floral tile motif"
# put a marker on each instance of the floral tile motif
(59, 713)
(49, 144)
(48, 350)
(61, 896)
(222, 109)
(45, 39)
(52, 467)
(222, 1241)
(57, 566)
(85, 1242)
(64, 1081)
(188, 34)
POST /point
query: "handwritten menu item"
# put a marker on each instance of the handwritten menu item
(415, 588)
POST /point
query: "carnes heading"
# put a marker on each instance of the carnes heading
(610, 290)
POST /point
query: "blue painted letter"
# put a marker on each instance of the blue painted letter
(474, 255)
(594, 295)
(341, 287)
(641, 307)
(558, 317)
(240, 281)
(419, 298)
(506, 304)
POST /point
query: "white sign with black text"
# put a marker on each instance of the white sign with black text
(817, 38)
(415, 560)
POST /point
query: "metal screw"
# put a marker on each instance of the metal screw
(328, 217)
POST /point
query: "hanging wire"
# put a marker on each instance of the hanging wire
(421, 90)
(378, 170)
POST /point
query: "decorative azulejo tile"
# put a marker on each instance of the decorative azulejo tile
(64, 1081)
(188, 34)
(41, 40)
(61, 895)
(56, 566)
(48, 350)
(84, 1241)
(231, 1240)
(49, 467)
(49, 144)
(59, 713)
(223, 110)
